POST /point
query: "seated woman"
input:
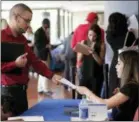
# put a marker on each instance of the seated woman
(126, 99)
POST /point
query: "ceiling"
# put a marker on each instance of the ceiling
(73, 6)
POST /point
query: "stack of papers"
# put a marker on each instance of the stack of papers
(26, 118)
(68, 83)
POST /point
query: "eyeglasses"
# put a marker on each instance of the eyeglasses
(26, 20)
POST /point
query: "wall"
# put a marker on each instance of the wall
(125, 7)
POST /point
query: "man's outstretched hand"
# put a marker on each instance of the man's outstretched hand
(56, 79)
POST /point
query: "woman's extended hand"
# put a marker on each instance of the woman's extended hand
(83, 90)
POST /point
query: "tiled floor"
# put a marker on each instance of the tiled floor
(34, 97)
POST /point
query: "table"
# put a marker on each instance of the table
(52, 109)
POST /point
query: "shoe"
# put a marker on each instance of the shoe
(48, 93)
(40, 92)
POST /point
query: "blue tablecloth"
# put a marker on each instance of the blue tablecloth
(52, 110)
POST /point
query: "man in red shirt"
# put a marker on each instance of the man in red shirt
(81, 31)
(15, 84)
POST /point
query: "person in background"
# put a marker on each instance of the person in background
(70, 62)
(42, 49)
(81, 31)
(14, 84)
(30, 37)
(4, 24)
(115, 35)
(90, 67)
(125, 99)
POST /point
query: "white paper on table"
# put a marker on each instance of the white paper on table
(77, 119)
(68, 83)
(27, 118)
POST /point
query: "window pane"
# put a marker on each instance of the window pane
(61, 24)
(66, 23)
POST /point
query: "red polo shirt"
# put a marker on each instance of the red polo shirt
(81, 33)
(11, 79)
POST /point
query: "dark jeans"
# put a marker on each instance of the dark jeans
(99, 84)
(19, 95)
(70, 72)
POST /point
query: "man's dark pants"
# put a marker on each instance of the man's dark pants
(18, 92)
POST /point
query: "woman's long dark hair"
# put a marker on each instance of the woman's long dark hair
(131, 67)
(117, 24)
(97, 30)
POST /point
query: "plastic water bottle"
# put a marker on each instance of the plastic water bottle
(83, 108)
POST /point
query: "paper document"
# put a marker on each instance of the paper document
(27, 118)
(77, 119)
(82, 48)
(134, 25)
(68, 83)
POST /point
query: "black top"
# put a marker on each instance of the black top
(41, 41)
(90, 68)
(116, 43)
(127, 110)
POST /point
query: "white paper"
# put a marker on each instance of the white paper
(97, 112)
(77, 119)
(27, 118)
(133, 24)
(68, 83)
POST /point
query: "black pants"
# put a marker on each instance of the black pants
(99, 84)
(18, 92)
(70, 72)
(90, 83)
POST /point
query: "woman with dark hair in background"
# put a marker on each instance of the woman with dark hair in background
(89, 67)
(116, 34)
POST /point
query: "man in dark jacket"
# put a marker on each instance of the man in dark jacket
(70, 61)
(42, 50)
(42, 40)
